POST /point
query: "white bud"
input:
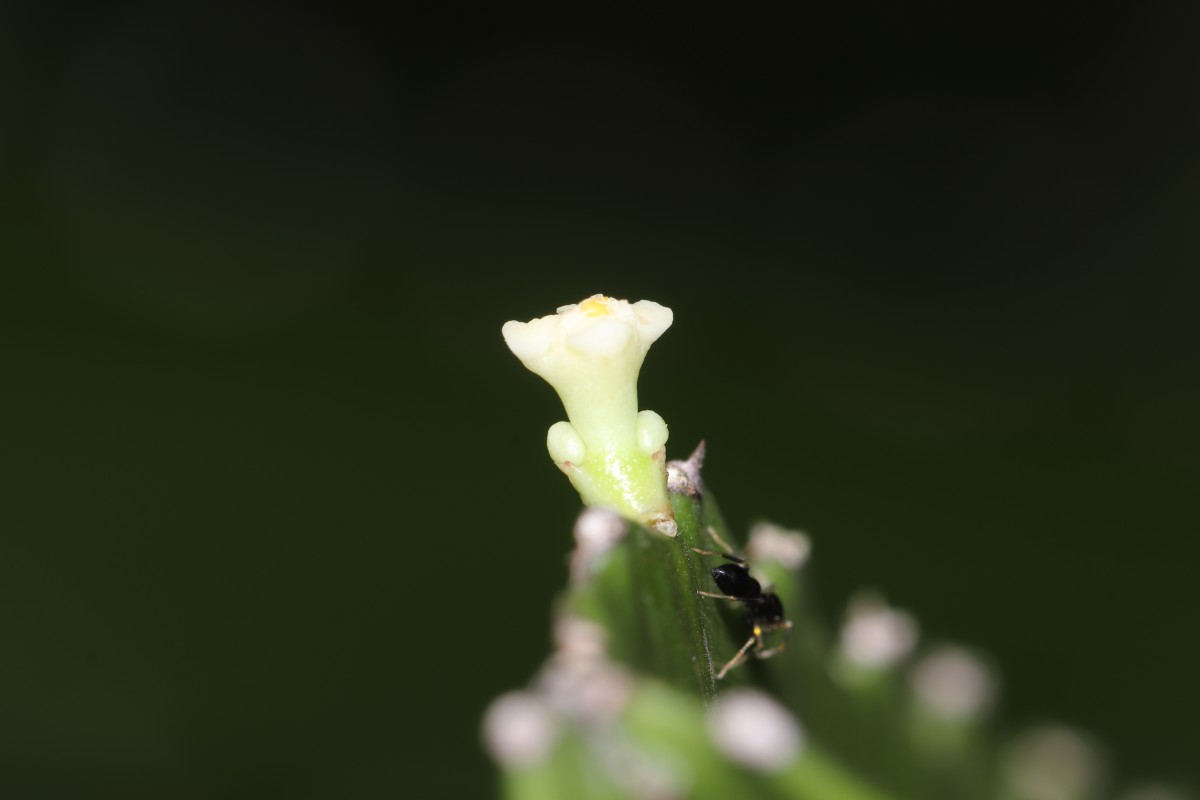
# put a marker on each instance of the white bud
(651, 431)
(953, 684)
(593, 692)
(565, 446)
(754, 730)
(519, 729)
(580, 639)
(875, 636)
(1053, 763)
(597, 530)
(772, 543)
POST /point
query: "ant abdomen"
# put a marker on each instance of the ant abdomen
(770, 608)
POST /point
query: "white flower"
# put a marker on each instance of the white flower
(591, 353)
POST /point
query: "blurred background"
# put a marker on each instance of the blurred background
(277, 512)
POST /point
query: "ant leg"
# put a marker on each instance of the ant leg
(720, 596)
(770, 651)
(701, 551)
(767, 652)
(739, 657)
(722, 543)
(728, 554)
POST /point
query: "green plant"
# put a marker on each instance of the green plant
(645, 694)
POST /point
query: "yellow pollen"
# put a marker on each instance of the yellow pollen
(595, 306)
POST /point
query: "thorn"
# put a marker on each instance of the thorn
(683, 477)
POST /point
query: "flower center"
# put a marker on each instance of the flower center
(596, 306)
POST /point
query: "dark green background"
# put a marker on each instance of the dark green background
(276, 511)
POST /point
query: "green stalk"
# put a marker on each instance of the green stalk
(629, 706)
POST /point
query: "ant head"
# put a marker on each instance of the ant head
(735, 581)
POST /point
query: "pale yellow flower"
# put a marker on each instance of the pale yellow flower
(591, 353)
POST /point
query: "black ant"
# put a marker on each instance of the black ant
(764, 610)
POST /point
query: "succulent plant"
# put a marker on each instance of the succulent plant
(687, 666)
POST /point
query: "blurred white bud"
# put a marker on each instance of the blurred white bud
(770, 542)
(953, 683)
(876, 636)
(641, 774)
(753, 729)
(1052, 763)
(592, 692)
(597, 530)
(579, 639)
(519, 728)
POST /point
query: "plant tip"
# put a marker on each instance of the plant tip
(591, 353)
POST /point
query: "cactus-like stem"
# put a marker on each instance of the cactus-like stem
(635, 630)
(643, 592)
(660, 685)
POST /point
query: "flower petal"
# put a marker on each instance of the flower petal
(529, 340)
(601, 338)
(653, 319)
